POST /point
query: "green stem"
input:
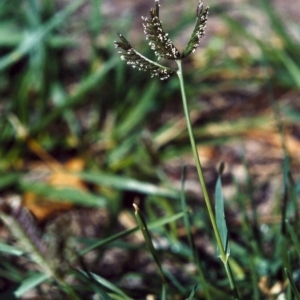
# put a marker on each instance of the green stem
(231, 280)
(223, 256)
(198, 163)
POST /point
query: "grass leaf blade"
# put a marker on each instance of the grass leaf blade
(143, 227)
(29, 283)
(220, 214)
(292, 283)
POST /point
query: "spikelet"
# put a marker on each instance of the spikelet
(198, 32)
(137, 60)
(158, 38)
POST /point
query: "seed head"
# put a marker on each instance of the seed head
(158, 38)
(198, 32)
(160, 43)
(137, 60)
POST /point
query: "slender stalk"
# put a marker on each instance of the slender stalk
(223, 255)
(189, 236)
(231, 280)
(198, 163)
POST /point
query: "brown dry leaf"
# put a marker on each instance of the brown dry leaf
(42, 208)
(270, 292)
(263, 285)
(273, 138)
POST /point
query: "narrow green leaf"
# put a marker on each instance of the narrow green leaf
(284, 210)
(83, 88)
(220, 213)
(278, 25)
(30, 283)
(292, 283)
(160, 222)
(138, 112)
(8, 179)
(128, 184)
(294, 236)
(91, 280)
(11, 250)
(64, 194)
(191, 297)
(144, 228)
(291, 66)
(174, 281)
(107, 284)
(32, 39)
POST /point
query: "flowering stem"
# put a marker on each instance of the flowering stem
(29, 243)
(223, 255)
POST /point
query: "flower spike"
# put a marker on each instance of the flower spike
(137, 60)
(161, 44)
(159, 41)
(198, 32)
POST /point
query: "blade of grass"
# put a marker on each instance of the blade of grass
(222, 228)
(9, 272)
(284, 210)
(168, 208)
(293, 236)
(64, 194)
(138, 112)
(86, 274)
(31, 40)
(58, 96)
(127, 184)
(249, 240)
(30, 283)
(291, 66)
(11, 250)
(144, 228)
(254, 224)
(8, 179)
(220, 212)
(154, 224)
(110, 286)
(279, 26)
(175, 282)
(83, 88)
(292, 283)
(96, 20)
(191, 297)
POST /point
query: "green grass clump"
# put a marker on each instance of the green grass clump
(65, 95)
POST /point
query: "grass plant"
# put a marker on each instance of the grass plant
(164, 49)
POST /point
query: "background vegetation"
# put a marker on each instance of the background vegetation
(68, 104)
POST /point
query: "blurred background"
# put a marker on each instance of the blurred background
(69, 104)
